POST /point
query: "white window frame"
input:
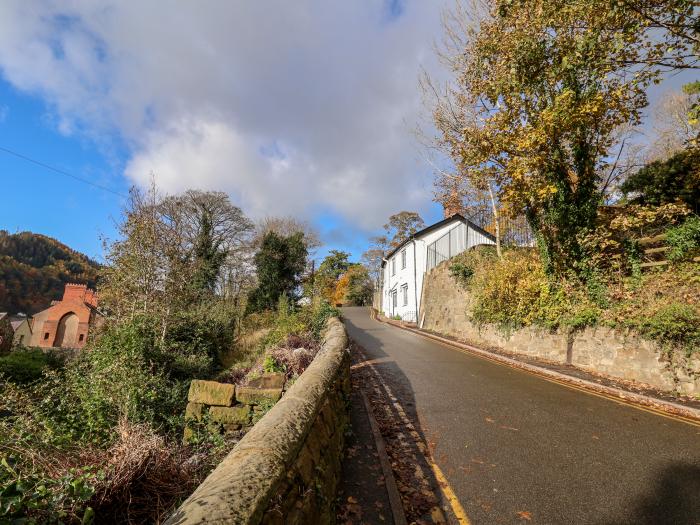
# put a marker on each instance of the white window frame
(394, 299)
(404, 291)
(403, 258)
(393, 266)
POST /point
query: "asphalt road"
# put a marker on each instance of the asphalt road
(516, 448)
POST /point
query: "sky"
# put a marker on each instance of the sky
(304, 108)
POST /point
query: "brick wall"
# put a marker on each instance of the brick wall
(604, 350)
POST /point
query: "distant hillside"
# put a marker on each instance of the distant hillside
(34, 268)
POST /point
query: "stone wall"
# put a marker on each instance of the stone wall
(286, 468)
(226, 408)
(616, 353)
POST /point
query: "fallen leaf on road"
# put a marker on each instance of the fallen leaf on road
(509, 428)
(489, 420)
(351, 499)
(525, 515)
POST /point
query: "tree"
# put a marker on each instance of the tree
(171, 255)
(663, 182)
(360, 286)
(401, 226)
(335, 264)
(279, 265)
(372, 260)
(329, 271)
(543, 86)
(286, 226)
(211, 232)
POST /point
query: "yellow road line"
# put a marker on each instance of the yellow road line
(450, 496)
(444, 485)
(561, 382)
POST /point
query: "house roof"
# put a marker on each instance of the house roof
(432, 227)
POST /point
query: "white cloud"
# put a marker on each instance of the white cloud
(292, 107)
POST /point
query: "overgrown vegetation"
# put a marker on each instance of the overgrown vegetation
(515, 291)
(98, 437)
(24, 365)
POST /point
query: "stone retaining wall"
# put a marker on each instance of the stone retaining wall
(230, 409)
(623, 354)
(286, 468)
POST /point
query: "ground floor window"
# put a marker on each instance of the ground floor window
(404, 294)
(394, 299)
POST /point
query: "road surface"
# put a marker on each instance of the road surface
(516, 448)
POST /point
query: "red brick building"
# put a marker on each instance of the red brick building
(66, 323)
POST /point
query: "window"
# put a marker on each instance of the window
(46, 336)
(394, 298)
(82, 336)
(403, 259)
(393, 267)
(404, 294)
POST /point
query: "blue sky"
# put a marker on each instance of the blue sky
(304, 110)
(39, 200)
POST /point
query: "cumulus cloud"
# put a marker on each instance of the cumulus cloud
(291, 107)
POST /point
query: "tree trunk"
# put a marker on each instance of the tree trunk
(496, 220)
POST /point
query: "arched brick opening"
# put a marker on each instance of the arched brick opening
(67, 331)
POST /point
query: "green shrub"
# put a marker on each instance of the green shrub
(56, 500)
(270, 365)
(684, 239)
(675, 323)
(128, 374)
(465, 265)
(27, 364)
(320, 314)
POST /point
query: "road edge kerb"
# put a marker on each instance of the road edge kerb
(397, 511)
(649, 403)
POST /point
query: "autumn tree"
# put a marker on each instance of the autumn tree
(401, 226)
(335, 264)
(360, 286)
(171, 255)
(543, 86)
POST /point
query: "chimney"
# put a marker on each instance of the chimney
(452, 203)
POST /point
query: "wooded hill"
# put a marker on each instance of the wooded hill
(34, 269)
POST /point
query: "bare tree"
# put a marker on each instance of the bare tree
(672, 127)
(287, 226)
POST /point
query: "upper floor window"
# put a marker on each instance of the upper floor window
(403, 259)
(393, 267)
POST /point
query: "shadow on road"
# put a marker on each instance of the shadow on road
(394, 407)
(674, 499)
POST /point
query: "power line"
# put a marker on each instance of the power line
(62, 172)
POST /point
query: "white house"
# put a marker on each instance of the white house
(404, 267)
